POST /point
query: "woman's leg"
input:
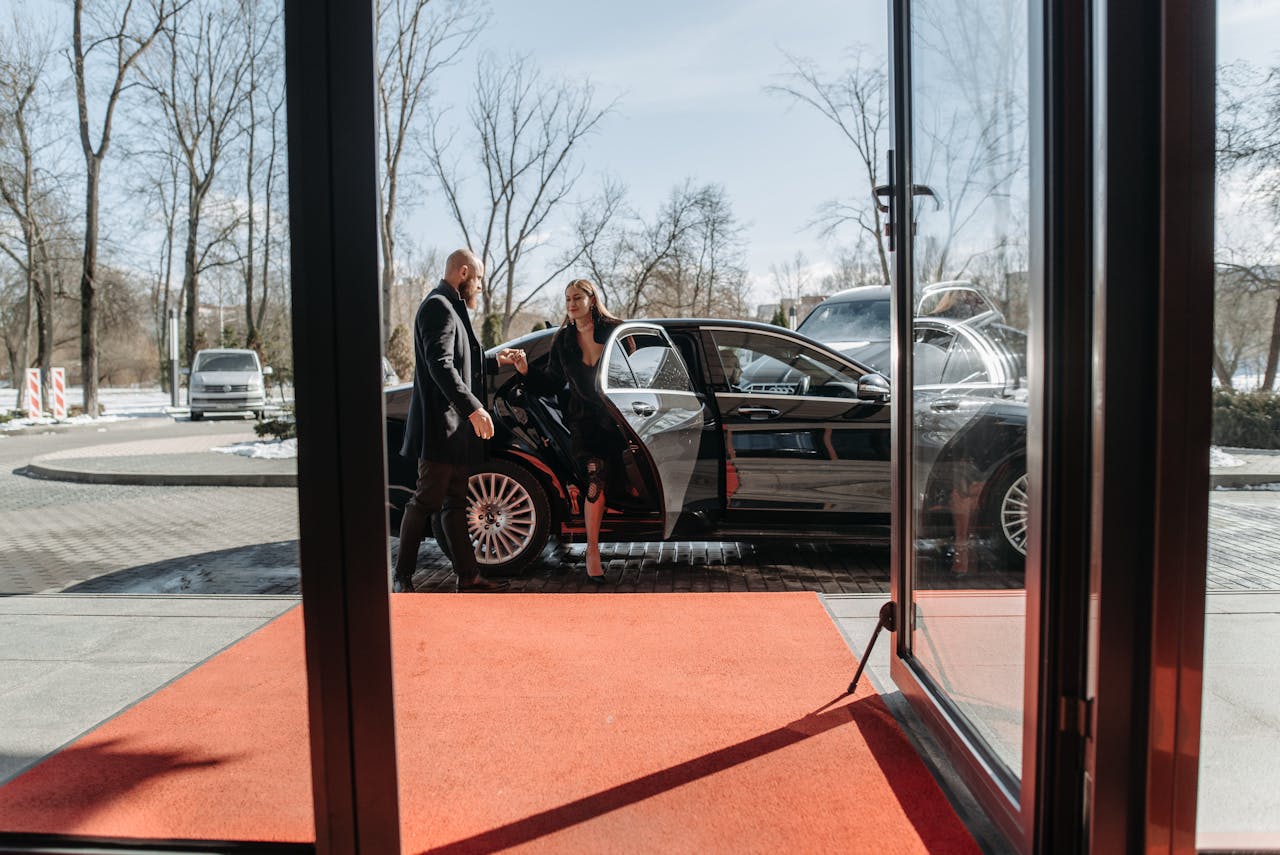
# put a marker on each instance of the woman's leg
(594, 513)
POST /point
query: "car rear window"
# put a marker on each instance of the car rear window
(857, 320)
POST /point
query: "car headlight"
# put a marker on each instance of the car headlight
(197, 387)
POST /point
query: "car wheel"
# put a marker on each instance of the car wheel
(196, 415)
(508, 518)
(1009, 507)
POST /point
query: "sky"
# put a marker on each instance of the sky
(690, 84)
(690, 79)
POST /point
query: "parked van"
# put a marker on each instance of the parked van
(226, 381)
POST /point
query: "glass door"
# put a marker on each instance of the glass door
(963, 296)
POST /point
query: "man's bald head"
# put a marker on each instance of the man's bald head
(462, 266)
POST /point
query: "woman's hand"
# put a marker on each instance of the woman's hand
(520, 360)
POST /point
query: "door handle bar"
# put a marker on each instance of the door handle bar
(758, 413)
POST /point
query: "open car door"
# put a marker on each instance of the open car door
(647, 382)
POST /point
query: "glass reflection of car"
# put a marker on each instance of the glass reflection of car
(969, 371)
(713, 453)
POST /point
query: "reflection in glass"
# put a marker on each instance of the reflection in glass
(151, 634)
(969, 116)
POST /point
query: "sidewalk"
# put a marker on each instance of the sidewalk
(188, 461)
(168, 462)
(1257, 466)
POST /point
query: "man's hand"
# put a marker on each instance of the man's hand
(507, 356)
(520, 361)
(481, 423)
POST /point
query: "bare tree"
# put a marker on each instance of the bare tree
(23, 59)
(1247, 251)
(687, 260)
(123, 39)
(262, 114)
(200, 80)
(792, 279)
(973, 145)
(163, 198)
(416, 38)
(526, 132)
(856, 102)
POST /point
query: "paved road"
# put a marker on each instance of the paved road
(58, 536)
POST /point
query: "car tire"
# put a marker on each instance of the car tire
(508, 518)
(1007, 509)
(196, 415)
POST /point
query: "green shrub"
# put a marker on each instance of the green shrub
(1246, 419)
(9, 416)
(284, 426)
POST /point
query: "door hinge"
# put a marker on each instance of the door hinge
(1075, 715)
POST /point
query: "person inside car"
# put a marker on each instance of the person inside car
(595, 439)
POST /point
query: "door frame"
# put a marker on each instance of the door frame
(998, 796)
(1123, 304)
(1042, 805)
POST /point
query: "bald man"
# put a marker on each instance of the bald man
(448, 424)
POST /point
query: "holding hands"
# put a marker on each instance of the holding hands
(514, 356)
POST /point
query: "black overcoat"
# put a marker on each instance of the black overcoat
(448, 382)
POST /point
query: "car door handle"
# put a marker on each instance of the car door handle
(758, 413)
(642, 409)
(945, 405)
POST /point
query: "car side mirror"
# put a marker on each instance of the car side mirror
(267, 370)
(873, 387)
(186, 372)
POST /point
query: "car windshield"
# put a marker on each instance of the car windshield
(857, 320)
(226, 362)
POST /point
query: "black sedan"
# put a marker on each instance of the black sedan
(735, 431)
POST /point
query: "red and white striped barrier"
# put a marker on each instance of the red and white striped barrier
(33, 393)
(58, 392)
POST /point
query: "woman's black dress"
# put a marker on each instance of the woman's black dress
(593, 432)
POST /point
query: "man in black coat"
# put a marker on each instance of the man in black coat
(448, 423)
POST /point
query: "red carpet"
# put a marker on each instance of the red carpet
(639, 723)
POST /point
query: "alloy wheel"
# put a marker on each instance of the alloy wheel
(1013, 514)
(500, 517)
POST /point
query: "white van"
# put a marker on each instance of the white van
(226, 381)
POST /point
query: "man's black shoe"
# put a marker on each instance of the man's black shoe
(481, 585)
(402, 584)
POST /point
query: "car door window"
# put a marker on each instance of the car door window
(964, 363)
(929, 355)
(764, 363)
(654, 363)
(618, 370)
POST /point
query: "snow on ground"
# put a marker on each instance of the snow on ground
(1219, 459)
(271, 450)
(117, 403)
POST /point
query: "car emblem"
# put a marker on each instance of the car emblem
(226, 388)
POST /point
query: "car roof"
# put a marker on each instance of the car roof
(722, 323)
(226, 350)
(858, 294)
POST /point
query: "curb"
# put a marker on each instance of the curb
(161, 479)
(1227, 481)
